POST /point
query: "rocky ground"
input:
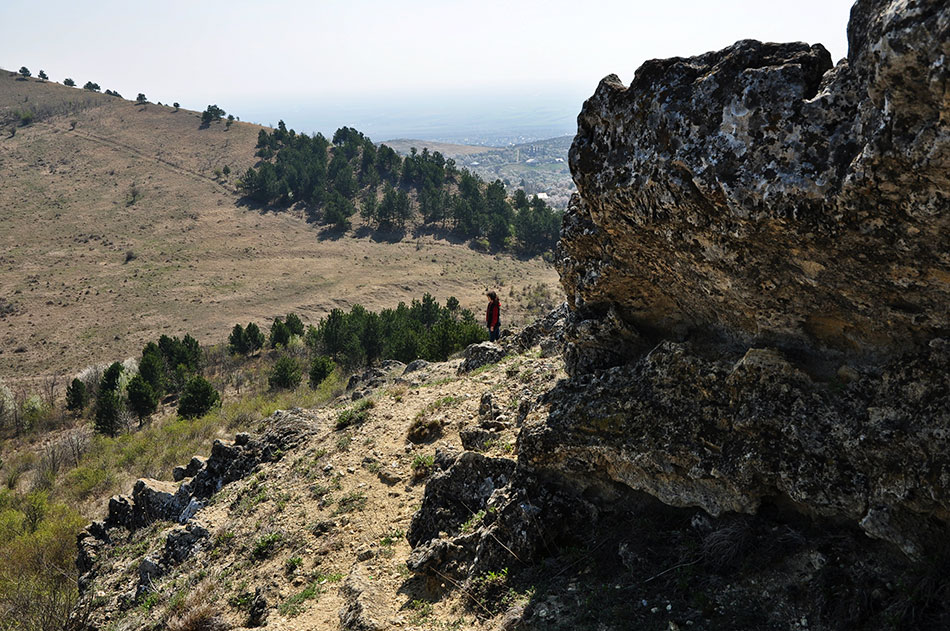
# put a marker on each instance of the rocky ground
(407, 504)
(314, 525)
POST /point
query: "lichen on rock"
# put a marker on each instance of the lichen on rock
(760, 194)
(757, 265)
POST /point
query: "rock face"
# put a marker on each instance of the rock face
(763, 195)
(757, 266)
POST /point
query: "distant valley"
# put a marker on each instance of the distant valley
(539, 167)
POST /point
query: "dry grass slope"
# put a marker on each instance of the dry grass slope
(115, 228)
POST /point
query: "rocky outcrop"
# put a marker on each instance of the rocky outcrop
(178, 502)
(761, 195)
(729, 435)
(478, 355)
(757, 266)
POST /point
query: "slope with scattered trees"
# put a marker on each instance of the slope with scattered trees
(332, 179)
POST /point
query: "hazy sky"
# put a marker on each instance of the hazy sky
(351, 50)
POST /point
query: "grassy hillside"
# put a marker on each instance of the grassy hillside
(117, 225)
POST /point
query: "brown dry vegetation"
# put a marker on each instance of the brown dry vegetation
(114, 229)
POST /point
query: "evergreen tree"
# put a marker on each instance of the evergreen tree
(237, 341)
(142, 398)
(108, 412)
(110, 378)
(294, 323)
(140, 99)
(197, 398)
(43, 76)
(76, 396)
(320, 368)
(92, 87)
(152, 368)
(24, 72)
(255, 338)
(279, 333)
(285, 375)
(69, 83)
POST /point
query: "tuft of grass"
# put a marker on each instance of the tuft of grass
(422, 465)
(472, 523)
(350, 502)
(355, 415)
(292, 564)
(266, 545)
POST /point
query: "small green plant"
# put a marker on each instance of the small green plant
(150, 601)
(292, 564)
(473, 522)
(355, 415)
(421, 611)
(223, 539)
(343, 442)
(293, 606)
(421, 465)
(266, 545)
(350, 502)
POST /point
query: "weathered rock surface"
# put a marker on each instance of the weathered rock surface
(728, 435)
(785, 226)
(760, 194)
(156, 500)
(478, 355)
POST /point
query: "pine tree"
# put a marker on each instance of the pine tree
(197, 398)
(108, 411)
(255, 337)
(237, 341)
(142, 398)
(294, 323)
(76, 396)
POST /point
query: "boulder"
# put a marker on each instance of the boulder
(763, 196)
(478, 355)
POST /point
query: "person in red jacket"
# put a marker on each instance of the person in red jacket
(493, 316)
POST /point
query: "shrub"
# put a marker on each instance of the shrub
(286, 374)
(422, 465)
(266, 544)
(198, 398)
(320, 368)
(355, 415)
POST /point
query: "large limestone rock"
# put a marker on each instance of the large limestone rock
(764, 195)
(757, 266)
